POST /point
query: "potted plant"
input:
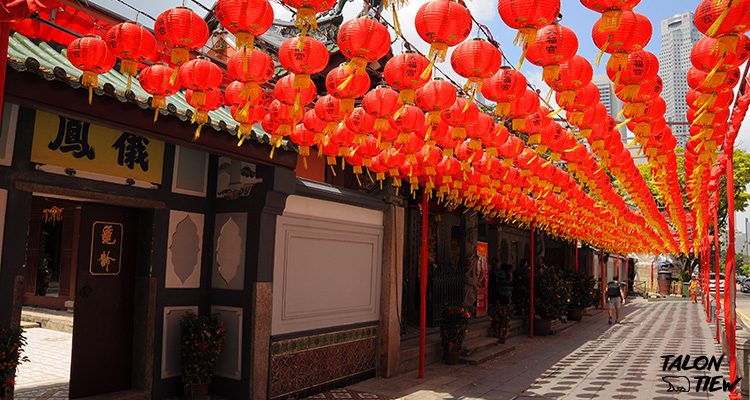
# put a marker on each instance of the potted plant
(596, 293)
(202, 338)
(501, 316)
(581, 295)
(551, 296)
(12, 342)
(453, 327)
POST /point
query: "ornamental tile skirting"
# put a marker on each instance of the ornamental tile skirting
(304, 363)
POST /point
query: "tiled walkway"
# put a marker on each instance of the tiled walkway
(590, 361)
(46, 374)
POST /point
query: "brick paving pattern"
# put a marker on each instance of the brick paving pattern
(592, 360)
(46, 374)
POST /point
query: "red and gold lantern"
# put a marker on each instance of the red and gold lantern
(528, 17)
(132, 43)
(442, 24)
(503, 88)
(182, 31)
(303, 59)
(204, 100)
(245, 19)
(91, 55)
(404, 73)
(476, 60)
(434, 97)
(156, 80)
(554, 45)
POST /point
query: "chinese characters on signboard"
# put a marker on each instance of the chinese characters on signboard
(80, 145)
(106, 248)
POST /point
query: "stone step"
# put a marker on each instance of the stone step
(476, 345)
(29, 325)
(487, 354)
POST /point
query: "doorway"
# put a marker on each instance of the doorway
(81, 270)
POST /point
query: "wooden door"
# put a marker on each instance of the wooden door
(103, 319)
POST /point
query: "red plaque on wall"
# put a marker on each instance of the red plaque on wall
(482, 279)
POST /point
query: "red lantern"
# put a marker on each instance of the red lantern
(303, 60)
(314, 124)
(363, 41)
(528, 16)
(280, 114)
(361, 123)
(478, 128)
(232, 93)
(410, 121)
(132, 43)
(91, 55)
(381, 103)
(19, 10)
(585, 98)
(722, 17)
(404, 73)
(503, 88)
(304, 138)
(368, 150)
(495, 138)
(611, 10)
(346, 86)
(156, 81)
(306, 18)
(328, 108)
(286, 91)
(245, 19)
(726, 80)
(252, 68)
(573, 75)
(199, 75)
(459, 115)
(442, 24)
(712, 56)
(246, 120)
(633, 33)
(534, 124)
(522, 108)
(554, 45)
(203, 101)
(476, 60)
(434, 97)
(635, 67)
(182, 31)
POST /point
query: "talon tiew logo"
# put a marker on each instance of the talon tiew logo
(701, 380)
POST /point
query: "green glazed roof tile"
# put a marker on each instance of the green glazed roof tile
(22, 49)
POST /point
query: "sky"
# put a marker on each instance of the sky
(575, 17)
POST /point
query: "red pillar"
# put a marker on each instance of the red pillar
(717, 296)
(531, 296)
(423, 284)
(730, 316)
(4, 39)
(604, 282)
(576, 255)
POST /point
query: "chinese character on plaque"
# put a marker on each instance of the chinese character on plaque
(106, 248)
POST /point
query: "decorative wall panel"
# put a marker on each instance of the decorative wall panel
(170, 349)
(327, 270)
(307, 362)
(190, 171)
(229, 364)
(228, 270)
(184, 250)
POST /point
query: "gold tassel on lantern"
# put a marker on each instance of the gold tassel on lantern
(610, 20)
(551, 72)
(130, 68)
(712, 79)
(472, 87)
(305, 21)
(158, 102)
(519, 124)
(90, 80)
(201, 117)
(602, 51)
(501, 109)
(244, 41)
(525, 37)
(436, 54)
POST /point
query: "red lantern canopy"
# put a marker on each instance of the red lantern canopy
(363, 41)
(434, 97)
(252, 68)
(442, 24)
(203, 101)
(303, 58)
(459, 115)
(357, 86)
(503, 88)
(91, 55)
(633, 33)
(182, 31)
(611, 10)
(404, 73)
(245, 19)
(528, 17)
(306, 18)
(381, 103)
(476, 60)
(156, 81)
(554, 45)
(132, 43)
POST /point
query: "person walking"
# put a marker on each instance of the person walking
(615, 298)
(694, 288)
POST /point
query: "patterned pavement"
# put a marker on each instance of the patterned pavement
(592, 360)
(48, 369)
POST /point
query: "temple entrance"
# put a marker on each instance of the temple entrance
(81, 261)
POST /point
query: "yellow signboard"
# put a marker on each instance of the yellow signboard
(80, 145)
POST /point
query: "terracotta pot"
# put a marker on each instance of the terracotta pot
(451, 357)
(575, 314)
(196, 392)
(542, 327)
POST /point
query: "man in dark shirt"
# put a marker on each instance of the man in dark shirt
(615, 298)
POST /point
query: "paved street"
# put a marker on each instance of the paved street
(590, 361)
(48, 370)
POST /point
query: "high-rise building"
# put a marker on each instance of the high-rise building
(678, 35)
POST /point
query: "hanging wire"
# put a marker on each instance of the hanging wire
(199, 4)
(136, 10)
